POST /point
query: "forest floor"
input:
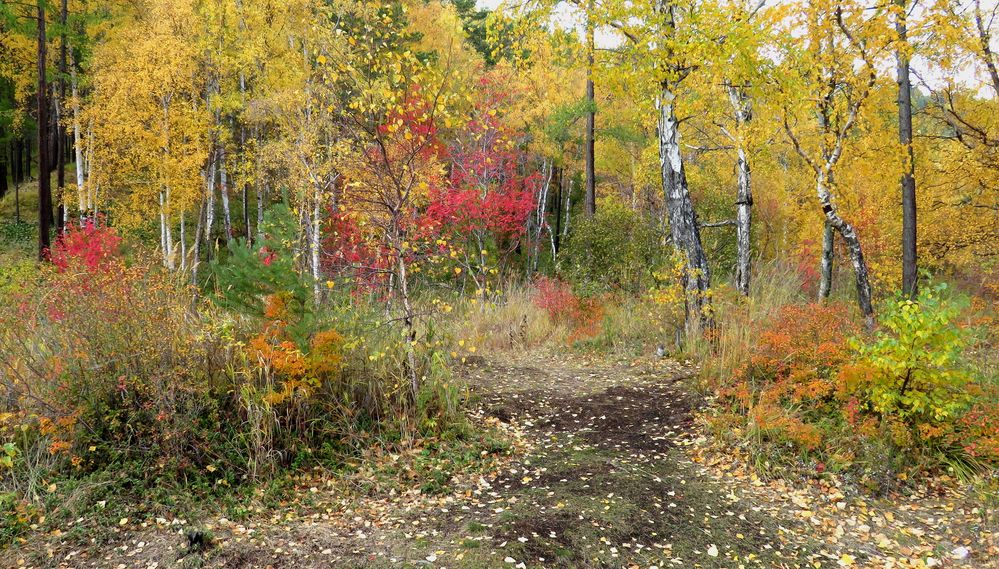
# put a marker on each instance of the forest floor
(610, 470)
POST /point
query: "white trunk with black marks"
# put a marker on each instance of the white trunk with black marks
(539, 212)
(314, 246)
(91, 188)
(742, 105)
(224, 191)
(849, 235)
(826, 263)
(163, 245)
(81, 204)
(183, 244)
(568, 208)
(196, 245)
(210, 201)
(409, 318)
(166, 237)
(682, 218)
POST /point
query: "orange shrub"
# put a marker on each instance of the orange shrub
(583, 316)
(788, 386)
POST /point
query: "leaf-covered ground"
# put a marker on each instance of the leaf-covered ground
(610, 471)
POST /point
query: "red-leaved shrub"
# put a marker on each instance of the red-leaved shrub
(582, 315)
(91, 247)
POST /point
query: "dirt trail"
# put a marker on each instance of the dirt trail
(603, 481)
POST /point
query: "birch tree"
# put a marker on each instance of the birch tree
(829, 75)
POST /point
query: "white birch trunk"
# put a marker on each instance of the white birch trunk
(682, 218)
(81, 204)
(849, 235)
(224, 191)
(314, 246)
(210, 201)
(742, 106)
(826, 262)
(91, 188)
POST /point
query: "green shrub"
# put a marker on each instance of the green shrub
(615, 249)
(915, 367)
(253, 272)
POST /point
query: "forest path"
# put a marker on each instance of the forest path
(609, 472)
(603, 481)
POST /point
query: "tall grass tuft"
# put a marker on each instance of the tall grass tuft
(775, 284)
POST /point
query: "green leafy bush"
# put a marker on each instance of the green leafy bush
(915, 369)
(615, 249)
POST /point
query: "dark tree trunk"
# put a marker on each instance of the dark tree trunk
(910, 276)
(26, 173)
(3, 174)
(17, 161)
(44, 180)
(590, 203)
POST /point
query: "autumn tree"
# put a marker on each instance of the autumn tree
(149, 129)
(829, 77)
(662, 42)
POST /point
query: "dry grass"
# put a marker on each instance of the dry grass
(511, 322)
(774, 286)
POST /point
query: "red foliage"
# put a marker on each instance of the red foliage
(92, 247)
(556, 298)
(485, 193)
(484, 198)
(582, 315)
(348, 251)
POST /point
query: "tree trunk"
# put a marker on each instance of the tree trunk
(183, 244)
(909, 259)
(60, 128)
(60, 220)
(27, 160)
(742, 105)
(409, 315)
(78, 147)
(557, 234)
(828, 254)
(3, 174)
(196, 246)
(682, 218)
(261, 190)
(849, 235)
(164, 240)
(539, 211)
(314, 246)
(210, 201)
(590, 201)
(44, 181)
(17, 161)
(165, 205)
(568, 209)
(224, 191)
